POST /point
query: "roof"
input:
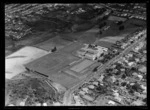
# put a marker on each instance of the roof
(87, 97)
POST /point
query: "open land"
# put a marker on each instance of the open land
(62, 69)
(14, 63)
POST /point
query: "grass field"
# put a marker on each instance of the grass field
(82, 65)
(51, 65)
(65, 80)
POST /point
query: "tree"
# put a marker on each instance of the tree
(104, 23)
(121, 28)
(54, 49)
(95, 69)
(105, 17)
(119, 22)
(100, 32)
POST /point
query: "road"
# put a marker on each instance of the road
(67, 95)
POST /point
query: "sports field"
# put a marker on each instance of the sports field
(51, 63)
(51, 66)
(82, 65)
(64, 79)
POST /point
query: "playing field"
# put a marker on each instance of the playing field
(51, 63)
(51, 66)
(82, 65)
(64, 79)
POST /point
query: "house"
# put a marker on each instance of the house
(95, 83)
(90, 55)
(85, 89)
(131, 63)
(143, 59)
(81, 92)
(78, 100)
(138, 103)
(81, 53)
(91, 86)
(111, 102)
(37, 104)
(89, 98)
(22, 103)
(44, 104)
(142, 69)
(100, 78)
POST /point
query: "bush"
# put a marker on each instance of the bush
(119, 22)
(121, 28)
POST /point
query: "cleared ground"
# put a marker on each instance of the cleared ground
(104, 44)
(83, 37)
(53, 42)
(110, 36)
(116, 18)
(30, 40)
(70, 49)
(113, 39)
(14, 63)
(114, 28)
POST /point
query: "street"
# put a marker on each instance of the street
(67, 95)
